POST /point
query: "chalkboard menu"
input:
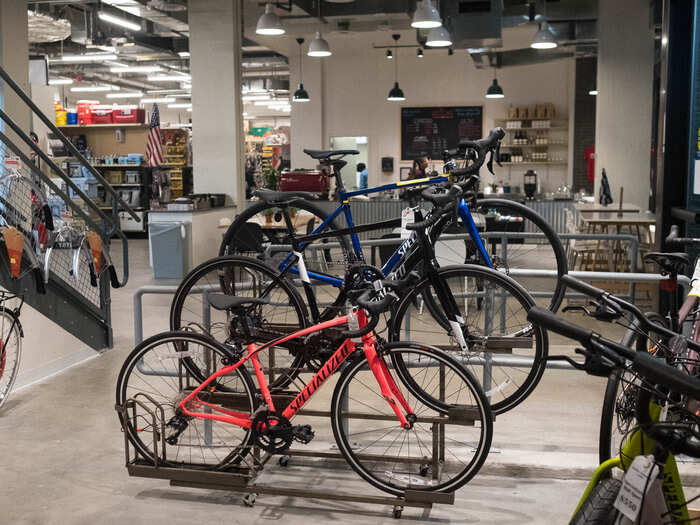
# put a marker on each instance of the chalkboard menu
(427, 132)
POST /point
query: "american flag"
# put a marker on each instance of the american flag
(154, 147)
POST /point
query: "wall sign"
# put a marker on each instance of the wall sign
(427, 132)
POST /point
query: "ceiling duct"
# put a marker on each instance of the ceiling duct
(42, 28)
(517, 57)
(473, 23)
(168, 5)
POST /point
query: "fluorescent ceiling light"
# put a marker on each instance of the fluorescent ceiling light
(169, 78)
(269, 23)
(426, 16)
(117, 21)
(189, 109)
(184, 54)
(164, 100)
(135, 69)
(135, 94)
(250, 98)
(175, 106)
(439, 37)
(593, 92)
(93, 89)
(162, 91)
(89, 57)
(60, 81)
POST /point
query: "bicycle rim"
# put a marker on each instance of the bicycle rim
(155, 375)
(506, 352)
(10, 353)
(447, 444)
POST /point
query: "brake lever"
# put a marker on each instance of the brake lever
(498, 155)
(576, 364)
(489, 164)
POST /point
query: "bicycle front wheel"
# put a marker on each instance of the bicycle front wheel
(446, 445)
(10, 351)
(516, 239)
(506, 351)
(599, 507)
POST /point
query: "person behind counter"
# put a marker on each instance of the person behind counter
(419, 169)
(361, 180)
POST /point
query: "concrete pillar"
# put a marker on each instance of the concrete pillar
(624, 104)
(307, 118)
(217, 125)
(14, 58)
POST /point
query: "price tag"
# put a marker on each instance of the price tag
(695, 281)
(638, 479)
(353, 323)
(407, 217)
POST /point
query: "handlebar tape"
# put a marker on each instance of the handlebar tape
(545, 318)
(583, 287)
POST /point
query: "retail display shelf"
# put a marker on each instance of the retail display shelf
(120, 209)
(120, 166)
(555, 128)
(119, 185)
(113, 125)
(546, 163)
(534, 145)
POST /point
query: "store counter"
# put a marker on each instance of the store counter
(203, 236)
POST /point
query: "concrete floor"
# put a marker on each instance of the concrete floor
(63, 457)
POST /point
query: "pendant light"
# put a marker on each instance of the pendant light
(300, 95)
(389, 55)
(544, 38)
(319, 47)
(426, 16)
(439, 37)
(396, 93)
(494, 90)
(269, 23)
(419, 53)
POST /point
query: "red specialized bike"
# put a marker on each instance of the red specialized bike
(403, 414)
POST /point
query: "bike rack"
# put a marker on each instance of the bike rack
(244, 479)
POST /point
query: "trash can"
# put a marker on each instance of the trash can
(169, 242)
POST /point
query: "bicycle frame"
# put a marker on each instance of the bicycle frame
(403, 249)
(389, 390)
(638, 444)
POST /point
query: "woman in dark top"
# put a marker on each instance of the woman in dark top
(419, 169)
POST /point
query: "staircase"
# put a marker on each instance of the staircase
(54, 239)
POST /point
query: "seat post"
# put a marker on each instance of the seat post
(338, 165)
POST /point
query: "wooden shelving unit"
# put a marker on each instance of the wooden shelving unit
(103, 126)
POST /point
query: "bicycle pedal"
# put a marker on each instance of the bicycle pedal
(303, 433)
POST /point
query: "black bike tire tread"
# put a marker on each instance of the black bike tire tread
(598, 508)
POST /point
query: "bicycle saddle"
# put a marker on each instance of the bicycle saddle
(669, 262)
(327, 154)
(219, 301)
(272, 197)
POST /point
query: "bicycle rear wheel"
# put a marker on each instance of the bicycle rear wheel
(155, 375)
(447, 444)
(260, 227)
(243, 277)
(506, 351)
(517, 239)
(599, 509)
(10, 351)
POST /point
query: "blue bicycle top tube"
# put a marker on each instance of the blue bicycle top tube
(401, 184)
(468, 221)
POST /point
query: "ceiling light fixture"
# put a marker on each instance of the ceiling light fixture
(389, 55)
(133, 94)
(301, 95)
(593, 92)
(60, 81)
(184, 54)
(439, 37)
(164, 100)
(426, 16)
(494, 90)
(93, 89)
(396, 94)
(117, 21)
(419, 53)
(89, 57)
(250, 98)
(179, 105)
(319, 47)
(135, 69)
(168, 78)
(269, 23)
(544, 38)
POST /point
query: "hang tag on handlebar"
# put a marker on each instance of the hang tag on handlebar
(353, 322)
(407, 217)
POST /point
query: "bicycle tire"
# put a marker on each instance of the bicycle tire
(598, 509)
(8, 373)
(618, 413)
(361, 459)
(507, 207)
(227, 247)
(507, 288)
(128, 386)
(218, 266)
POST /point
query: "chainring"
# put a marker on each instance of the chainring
(272, 432)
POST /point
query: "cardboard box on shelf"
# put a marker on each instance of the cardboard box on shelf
(512, 112)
